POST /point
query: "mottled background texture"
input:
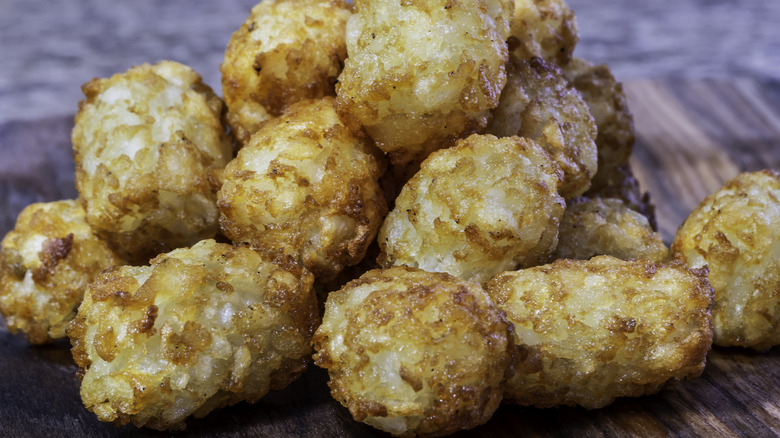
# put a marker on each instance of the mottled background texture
(49, 48)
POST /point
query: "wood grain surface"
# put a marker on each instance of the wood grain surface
(50, 49)
(692, 137)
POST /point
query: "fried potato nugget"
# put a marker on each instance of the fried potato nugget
(306, 185)
(545, 29)
(414, 353)
(588, 331)
(286, 51)
(607, 226)
(145, 142)
(201, 328)
(621, 184)
(537, 102)
(484, 206)
(608, 105)
(735, 233)
(422, 73)
(46, 262)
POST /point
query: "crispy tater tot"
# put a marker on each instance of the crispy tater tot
(538, 102)
(621, 184)
(201, 328)
(736, 233)
(588, 331)
(46, 262)
(306, 185)
(421, 74)
(414, 353)
(285, 51)
(609, 107)
(484, 206)
(607, 226)
(543, 28)
(145, 143)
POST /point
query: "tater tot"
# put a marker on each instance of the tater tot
(484, 206)
(608, 105)
(414, 353)
(736, 233)
(46, 262)
(543, 28)
(588, 331)
(201, 328)
(308, 186)
(420, 74)
(145, 143)
(538, 103)
(621, 184)
(607, 226)
(285, 51)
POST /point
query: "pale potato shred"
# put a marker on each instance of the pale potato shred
(285, 51)
(46, 262)
(544, 29)
(421, 74)
(736, 233)
(443, 180)
(588, 331)
(146, 143)
(448, 220)
(201, 328)
(308, 186)
(413, 352)
(538, 103)
(608, 105)
(620, 183)
(607, 226)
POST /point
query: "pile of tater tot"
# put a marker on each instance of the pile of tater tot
(430, 199)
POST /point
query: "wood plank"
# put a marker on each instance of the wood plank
(692, 137)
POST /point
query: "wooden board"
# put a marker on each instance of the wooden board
(692, 137)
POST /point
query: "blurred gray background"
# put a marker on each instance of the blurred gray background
(49, 48)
